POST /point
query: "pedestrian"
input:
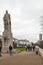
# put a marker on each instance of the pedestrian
(0, 50)
(10, 49)
(33, 47)
(36, 49)
(26, 47)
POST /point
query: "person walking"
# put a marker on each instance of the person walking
(10, 50)
(0, 50)
(26, 47)
(36, 49)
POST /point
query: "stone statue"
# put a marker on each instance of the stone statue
(7, 38)
(7, 20)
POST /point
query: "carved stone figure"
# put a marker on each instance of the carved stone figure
(7, 20)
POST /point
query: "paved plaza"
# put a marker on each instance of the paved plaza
(23, 58)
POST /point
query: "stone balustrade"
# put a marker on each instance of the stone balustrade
(41, 52)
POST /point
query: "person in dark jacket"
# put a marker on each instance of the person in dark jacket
(10, 49)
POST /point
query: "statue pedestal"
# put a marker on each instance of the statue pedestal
(7, 40)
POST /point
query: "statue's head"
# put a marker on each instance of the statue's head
(6, 11)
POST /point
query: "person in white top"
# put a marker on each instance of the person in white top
(37, 49)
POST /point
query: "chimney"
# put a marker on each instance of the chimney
(40, 37)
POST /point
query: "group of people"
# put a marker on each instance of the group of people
(32, 48)
(28, 48)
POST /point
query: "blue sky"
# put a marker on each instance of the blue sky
(25, 17)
